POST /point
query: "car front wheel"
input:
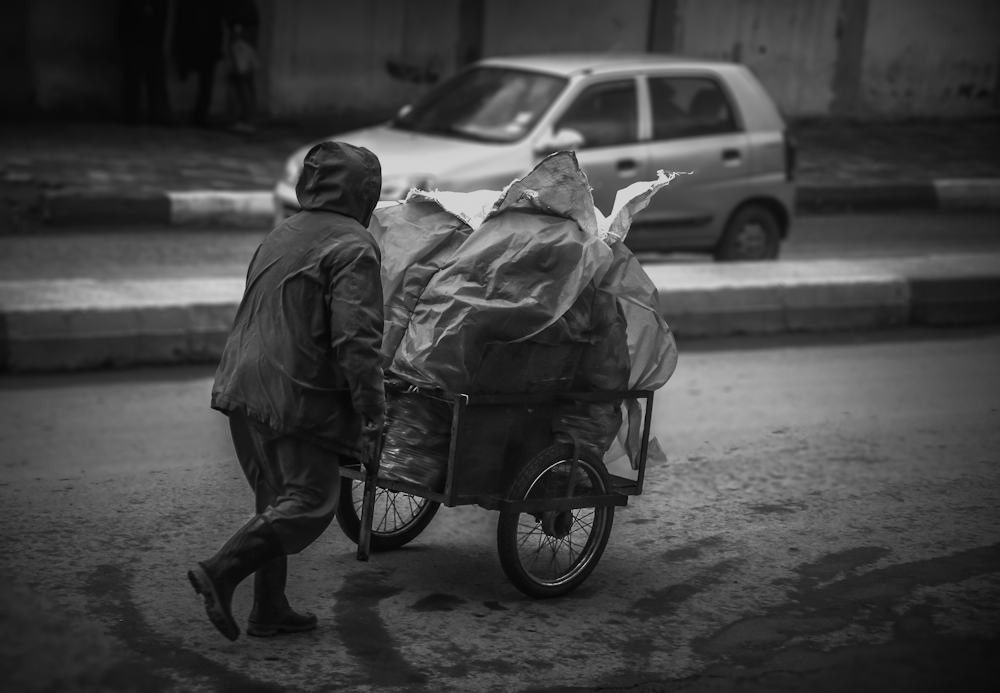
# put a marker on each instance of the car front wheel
(753, 233)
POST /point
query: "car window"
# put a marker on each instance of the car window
(605, 114)
(486, 103)
(688, 107)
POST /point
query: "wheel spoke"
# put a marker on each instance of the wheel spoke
(395, 511)
(385, 516)
(534, 529)
(546, 559)
(553, 558)
(358, 500)
(538, 551)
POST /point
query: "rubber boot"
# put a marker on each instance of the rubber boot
(271, 613)
(254, 545)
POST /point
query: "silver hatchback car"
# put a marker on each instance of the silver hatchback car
(626, 116)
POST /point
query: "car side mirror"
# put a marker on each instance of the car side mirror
(563, 139)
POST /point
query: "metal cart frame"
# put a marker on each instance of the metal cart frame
(494, 437)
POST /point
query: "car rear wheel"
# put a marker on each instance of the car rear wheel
(753, 233)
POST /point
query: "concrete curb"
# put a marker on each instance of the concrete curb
(965, 193)
(826, 295)
(214, 208)
(85, 324)
(255, 209)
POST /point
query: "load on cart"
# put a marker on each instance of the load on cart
(522, 345)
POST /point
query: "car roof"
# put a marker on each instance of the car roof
(568, 64)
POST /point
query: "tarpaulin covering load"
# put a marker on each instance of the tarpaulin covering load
(416, 239)
(521, 269)
(537, 265)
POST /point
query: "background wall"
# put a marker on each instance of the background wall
(73, 54)
(358, 55)
(937, 58)
(62, 57)
(791, 45)
(18, 95)
(565, 26)
(860, 58)
(872, 59)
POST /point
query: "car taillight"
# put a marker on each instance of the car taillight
(791, 149)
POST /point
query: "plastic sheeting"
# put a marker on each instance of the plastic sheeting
(417, 438)
(512, 278)
(604, 366)
(539, 264)
(416, 240)
(652, 350)
(629, 202)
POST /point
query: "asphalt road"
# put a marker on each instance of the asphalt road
(163, 253)
(826, 521)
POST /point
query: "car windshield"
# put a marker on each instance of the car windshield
(486, 103)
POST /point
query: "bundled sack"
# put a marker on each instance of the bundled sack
(415, 240)
(641, 354)
(513, 277)
(540, 264)
(604, 366)
(651, 345)
(417, 437)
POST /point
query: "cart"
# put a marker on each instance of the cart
(556, 500)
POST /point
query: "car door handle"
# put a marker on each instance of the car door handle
(732, 156)
(627, 167)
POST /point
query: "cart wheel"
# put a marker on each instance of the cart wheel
(397, 520)
(550, 554)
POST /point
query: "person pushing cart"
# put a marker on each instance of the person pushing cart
(522, 344)
(301, 382)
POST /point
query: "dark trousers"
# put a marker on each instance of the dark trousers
(205, 73)
(244, 94)
(296, 484)
(145, 75)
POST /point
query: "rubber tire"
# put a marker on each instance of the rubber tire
(347, 518)
(729, 248)
(508, 523)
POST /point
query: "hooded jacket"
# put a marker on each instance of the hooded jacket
(303, 357)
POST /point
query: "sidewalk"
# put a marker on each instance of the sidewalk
(72, 324)
(70, 173)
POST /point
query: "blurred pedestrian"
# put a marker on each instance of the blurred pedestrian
(301, 381)
(242, 29)
(142, 28)
(197, 47)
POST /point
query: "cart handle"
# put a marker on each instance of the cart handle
(371, 455)
(554, 397)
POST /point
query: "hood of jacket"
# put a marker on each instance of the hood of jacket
(339, 177)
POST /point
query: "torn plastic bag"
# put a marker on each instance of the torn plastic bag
(533, 252)
(513, 277)
(651, 346)
(558, 187)
(417, 437)
(603, 367)
(415, 240)
(588, 320)
(652, 349)
(630, 201)
(507, 282)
